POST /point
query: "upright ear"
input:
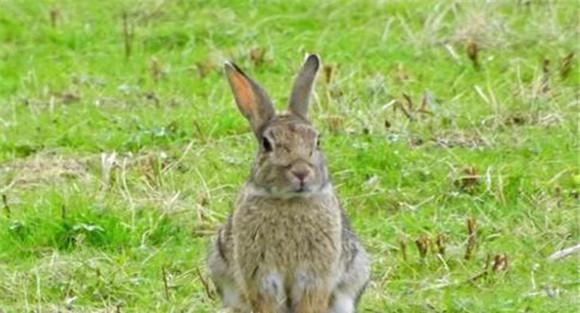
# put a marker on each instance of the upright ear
(303, 84)
(252, 100)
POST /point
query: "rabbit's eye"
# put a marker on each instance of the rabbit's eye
(318, 142)
(266, 145)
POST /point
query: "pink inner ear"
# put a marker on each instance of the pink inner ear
(243, 93)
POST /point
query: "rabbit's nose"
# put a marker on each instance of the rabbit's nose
(300, 174)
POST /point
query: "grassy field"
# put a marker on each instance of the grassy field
(121, 148)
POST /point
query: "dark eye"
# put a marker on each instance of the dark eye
(318, 142)
(266, 145)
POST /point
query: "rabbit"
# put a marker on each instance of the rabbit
(287, 247)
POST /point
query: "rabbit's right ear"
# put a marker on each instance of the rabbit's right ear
(252, 100)
(303, 85)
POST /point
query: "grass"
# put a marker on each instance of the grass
(116, 166)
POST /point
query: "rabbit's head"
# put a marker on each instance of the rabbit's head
(289, 162)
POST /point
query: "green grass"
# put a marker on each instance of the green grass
(117, 169)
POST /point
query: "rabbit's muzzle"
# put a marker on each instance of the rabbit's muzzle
(301, 175)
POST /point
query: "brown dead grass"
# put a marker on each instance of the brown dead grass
(452, 139)
(42, 169)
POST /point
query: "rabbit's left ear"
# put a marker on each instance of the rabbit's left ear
(252, 100)
(303, 84)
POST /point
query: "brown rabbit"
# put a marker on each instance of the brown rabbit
(288, 246)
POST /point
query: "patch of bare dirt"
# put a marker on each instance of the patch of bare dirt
(461, 140)
(44, 168)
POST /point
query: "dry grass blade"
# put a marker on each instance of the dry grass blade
(328, 73)
(335, 123)
(409, 102)
(387, 124)
(500, 263)
(127, 35)
(63, 212)
(155, 69)
(204, 68)
(545, 85)
(209, 292)
(471, 240)
(469, 179)
(423, 246)
(54, 16)
(151, 96)
(487, 262)
(482, 273)
(199, 131)
(426, 99)
(440, 244)
(165, 283)
(452, 53)
(478, 276)
(258, 56)
(7, 210)
(558, 255)
(472, 51)
(403, 247)
(566, 65)
(407, 113)
(204, 231)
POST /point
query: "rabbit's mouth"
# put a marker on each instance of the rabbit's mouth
(302, 189)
